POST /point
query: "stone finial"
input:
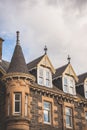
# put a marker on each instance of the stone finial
(18, 41)
(45, 49)
(68, 58)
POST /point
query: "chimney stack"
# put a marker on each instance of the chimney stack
(1, 41)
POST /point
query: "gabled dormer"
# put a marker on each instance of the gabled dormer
(42, 69)
(44, 72)
(81, 86)
(65, 79)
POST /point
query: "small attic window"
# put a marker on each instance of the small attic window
(44, 76)
(85, 89)
(69, 85)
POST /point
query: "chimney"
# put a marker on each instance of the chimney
(1, 41)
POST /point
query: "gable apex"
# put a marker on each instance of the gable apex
(45, 61)
(70, 71)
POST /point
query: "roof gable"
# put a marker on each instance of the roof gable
(46, 63)
(69, 71)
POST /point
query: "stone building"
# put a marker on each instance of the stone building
(36, 96)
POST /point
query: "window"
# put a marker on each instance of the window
(26, 105)
(68, 113)
(65, 85)
(47, 112)
(45, 77)
(69, 85)
(17, 103)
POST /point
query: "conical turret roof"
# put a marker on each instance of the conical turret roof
(18, 63)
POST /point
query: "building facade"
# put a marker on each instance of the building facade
(36, 96)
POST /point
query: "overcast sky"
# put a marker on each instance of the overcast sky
(59, 24)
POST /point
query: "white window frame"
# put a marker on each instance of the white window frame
(17, 112)
(26, 104)
(48, 111)
(85, 89)
(69, 116)
(65, 85)
(70, 88)
(46, 80)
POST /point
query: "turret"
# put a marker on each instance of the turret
(18, 82)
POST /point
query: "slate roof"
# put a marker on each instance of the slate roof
(82, 78)
(4, 65)
(34, 63)
(59, 71)
(18, 63)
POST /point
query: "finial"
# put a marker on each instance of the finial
(45, 49)
(68, 58)
(17, 42)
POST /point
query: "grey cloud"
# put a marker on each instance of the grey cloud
(56, 26)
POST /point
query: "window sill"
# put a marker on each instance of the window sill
(69, 128)
(47, 123)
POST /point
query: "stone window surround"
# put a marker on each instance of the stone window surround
(50, 100)
(64, 115)
(19, 101)
(48, 110)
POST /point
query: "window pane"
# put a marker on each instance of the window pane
(41, 72)
(17, 97)
(65, 85)
(65, 81)
(47, 74)
(17, 106)
(47, 82)
(40, 80)
(47, 105)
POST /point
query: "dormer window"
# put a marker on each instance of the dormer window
(44, 76)
(85, 88)
(69, 85)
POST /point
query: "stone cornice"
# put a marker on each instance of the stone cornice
(19, 75)
(54, 93)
